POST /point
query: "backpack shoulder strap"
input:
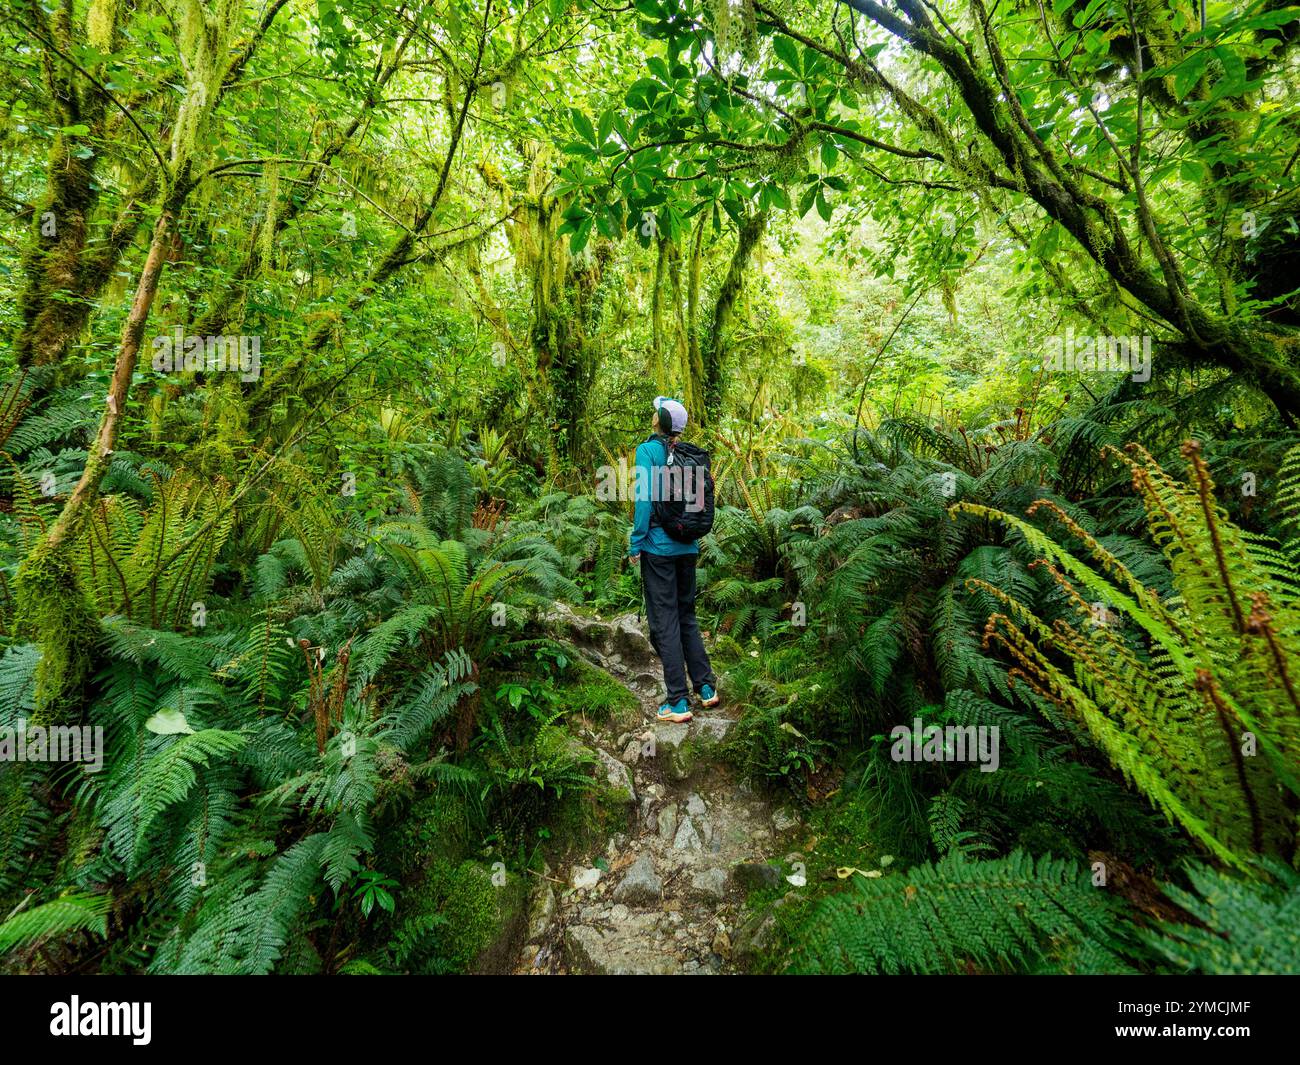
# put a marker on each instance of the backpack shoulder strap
(693, 453)
(658, 439)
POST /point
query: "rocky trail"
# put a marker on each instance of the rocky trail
(666, 895)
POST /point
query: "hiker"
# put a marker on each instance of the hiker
(674, 508)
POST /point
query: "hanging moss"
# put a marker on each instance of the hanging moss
(206, 36)
(567, 302)
(722, 28)
(101, 23)
(693, 357)
(54, 612)
(267, 233)
(790, 162)
(749, 31)
(948, 290)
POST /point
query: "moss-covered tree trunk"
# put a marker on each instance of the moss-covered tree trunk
(1122, 237)
(65, 266)
(658, 339)
(724, 308)
(52, 607)
(54, 300)
(566, 306)
(693, 368)
(679, 366)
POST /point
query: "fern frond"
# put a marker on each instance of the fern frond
(59, 917)
(996, 915)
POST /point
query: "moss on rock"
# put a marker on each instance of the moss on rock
(595, 693)
(471, 917)
(435, 828)
(683, 759)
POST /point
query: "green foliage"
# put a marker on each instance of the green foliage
(591, 541)
(242, 929)
(1244, 926)
(896, 564)
(1180, 705)
(50, 920)
(304, 600)
(163, 775)
(1012, 912)
(593, 692)
(152, 566)
(460, 598)
(550, 761)
(458, 915)
(53, 612)
(774, 749)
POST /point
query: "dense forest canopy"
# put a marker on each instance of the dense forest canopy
(327, 325)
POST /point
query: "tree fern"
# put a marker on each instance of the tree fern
(427, 699)
(153, 564)
(1178, 710)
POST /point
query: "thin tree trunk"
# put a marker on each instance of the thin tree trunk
(78, 504)
(52, 607)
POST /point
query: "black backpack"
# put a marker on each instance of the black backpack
(683, 498)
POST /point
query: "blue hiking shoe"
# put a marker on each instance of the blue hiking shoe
(709, 695)
(677, 711)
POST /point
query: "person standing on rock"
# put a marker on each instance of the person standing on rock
(674, 507)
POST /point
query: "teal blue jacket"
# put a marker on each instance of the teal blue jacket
(650, 459)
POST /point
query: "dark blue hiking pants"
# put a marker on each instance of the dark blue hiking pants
(669, 582)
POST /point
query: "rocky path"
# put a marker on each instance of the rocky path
(665, 896)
